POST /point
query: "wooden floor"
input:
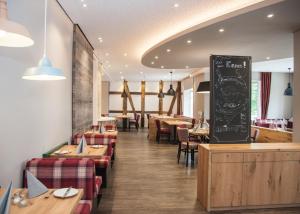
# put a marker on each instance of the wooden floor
(147, 179)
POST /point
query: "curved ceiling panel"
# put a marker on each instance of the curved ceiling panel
(251, 34)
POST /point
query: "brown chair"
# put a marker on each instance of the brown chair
(193, 122)
(160, 131)
(148, 119)
(135, 121)
(186, 146)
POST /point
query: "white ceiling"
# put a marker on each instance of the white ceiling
(250, 34)
(135, 26)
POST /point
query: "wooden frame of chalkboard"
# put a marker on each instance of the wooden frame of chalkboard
(230, 99)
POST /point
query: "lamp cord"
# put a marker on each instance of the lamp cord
(45, 28)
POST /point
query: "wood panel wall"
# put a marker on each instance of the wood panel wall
(82, 82)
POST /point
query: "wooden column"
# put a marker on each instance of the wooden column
(124, 101)
(173, 102)
(129, 96)
(143, 85)
(179, 101)
(161, 100)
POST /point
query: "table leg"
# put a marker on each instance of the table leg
(124, 124)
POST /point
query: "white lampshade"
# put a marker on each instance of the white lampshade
(12, 34)
(44, 71)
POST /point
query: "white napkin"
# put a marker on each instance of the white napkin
(5, 200)
(35, 187)
(82, 145)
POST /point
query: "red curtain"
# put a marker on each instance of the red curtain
(265, 93)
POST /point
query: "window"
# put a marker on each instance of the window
(188, 102)
(255, 100)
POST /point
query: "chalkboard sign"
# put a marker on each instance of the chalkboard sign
(230, 106)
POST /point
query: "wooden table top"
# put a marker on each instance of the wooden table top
(199, 132)
(114, 133)
(106, 119)
(51, 205)
(89, 153)
(177, 122)
(252, 147)
(122, 116)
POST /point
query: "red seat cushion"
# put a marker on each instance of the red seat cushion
(102, 162)
(98, 183)
(165, 130)
(83, 207)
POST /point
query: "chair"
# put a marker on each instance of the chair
(108, 127)
(186, 146)
(135, 121)
(148, 119)
(160, 131)
(193, 122)
(67, 171)
(254, 134)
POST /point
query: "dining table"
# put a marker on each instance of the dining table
(175, 124)
(46, 203)
(103, 120)
(124, 118)
(91, 151)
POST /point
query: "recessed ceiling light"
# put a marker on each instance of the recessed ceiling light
(126, 66)
(189, 41)
(271, 15)
(106, 54)
(187, 67)
(82, 0)
(125, 54)
(221, 30)
(156, 57)
(268, 58)
(176, 5)
(84, 5)
(168, 50)
(141, 72)
(121, 72)
(152, 63)
(162, 66)
(122, 77)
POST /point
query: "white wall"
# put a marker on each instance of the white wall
(104, 97)
(97, 90)
(280, 106)
(35, 115)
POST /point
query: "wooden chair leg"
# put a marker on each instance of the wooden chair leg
(187, 157)
(193, 156)
(179, 153)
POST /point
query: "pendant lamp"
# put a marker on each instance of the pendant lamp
(289, 90)
(12, 34)
(171, 91)
(44, 70)
(203, 87)
(161, 94)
